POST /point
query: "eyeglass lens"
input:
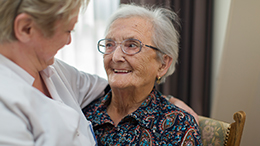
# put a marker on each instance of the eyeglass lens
(129, 46)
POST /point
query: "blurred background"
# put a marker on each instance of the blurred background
(219, 64)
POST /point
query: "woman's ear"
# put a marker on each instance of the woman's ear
(22, 27)
(164, 67)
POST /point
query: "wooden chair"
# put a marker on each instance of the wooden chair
(219, 133)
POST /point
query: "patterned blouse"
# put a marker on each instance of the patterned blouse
(155, 122)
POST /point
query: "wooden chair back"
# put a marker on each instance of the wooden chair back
(219, 133)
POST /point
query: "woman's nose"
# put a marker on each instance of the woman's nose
(118, 54)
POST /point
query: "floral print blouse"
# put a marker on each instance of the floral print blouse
(155, 122)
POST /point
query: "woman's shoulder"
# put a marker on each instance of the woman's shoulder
(168, 110)
(175, 122)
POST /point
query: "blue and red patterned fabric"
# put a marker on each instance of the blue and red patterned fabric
(155, 122)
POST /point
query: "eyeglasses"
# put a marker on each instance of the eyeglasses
(128, 46)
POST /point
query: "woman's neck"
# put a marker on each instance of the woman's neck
(125, 102)
(20, 56)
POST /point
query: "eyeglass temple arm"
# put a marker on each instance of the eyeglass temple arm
(155, 48)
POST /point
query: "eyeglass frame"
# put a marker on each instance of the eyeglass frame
(116, 45)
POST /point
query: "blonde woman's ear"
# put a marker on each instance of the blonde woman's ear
(22, 27)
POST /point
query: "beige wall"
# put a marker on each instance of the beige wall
(236, 64)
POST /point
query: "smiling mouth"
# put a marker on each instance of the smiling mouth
(121, 71)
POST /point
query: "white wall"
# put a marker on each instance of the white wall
(236, 64)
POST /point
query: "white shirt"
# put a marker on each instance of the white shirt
(29, 118)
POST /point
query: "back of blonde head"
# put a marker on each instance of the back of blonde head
(44, 12)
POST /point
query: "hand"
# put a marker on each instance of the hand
(185, 107)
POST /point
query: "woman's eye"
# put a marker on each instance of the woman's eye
(132, 45)
(70, 31)
(109, 45)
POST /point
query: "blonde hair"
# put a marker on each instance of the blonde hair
(44, 12)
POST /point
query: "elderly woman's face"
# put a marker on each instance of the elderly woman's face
(138, 70)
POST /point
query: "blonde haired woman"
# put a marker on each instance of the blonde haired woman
(40, 97)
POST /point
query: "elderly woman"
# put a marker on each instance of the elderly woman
(140, 48)
(41, 97)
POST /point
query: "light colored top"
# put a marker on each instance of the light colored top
(29, 118)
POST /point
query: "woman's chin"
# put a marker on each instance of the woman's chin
(118, 85)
